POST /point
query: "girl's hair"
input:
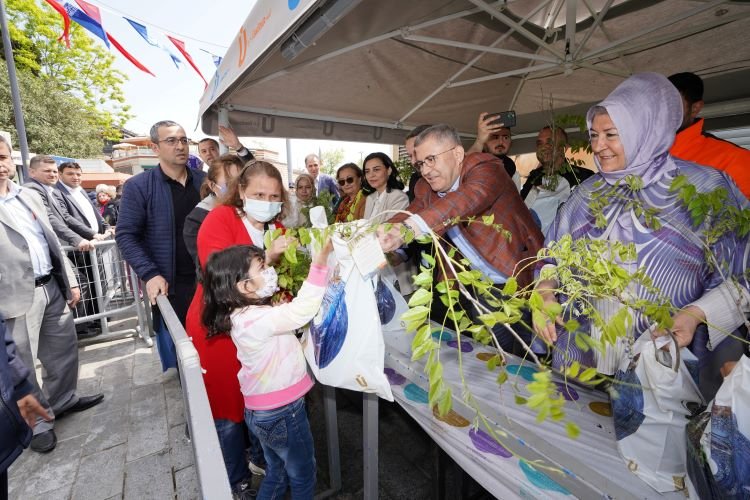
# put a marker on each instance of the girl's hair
(357, 171)
(254, 168)
(224, 270)
(222, 164)
(309, 179)
(393, 181)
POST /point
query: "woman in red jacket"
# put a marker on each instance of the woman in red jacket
(253, 205)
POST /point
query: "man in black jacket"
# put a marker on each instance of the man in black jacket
(19, 408)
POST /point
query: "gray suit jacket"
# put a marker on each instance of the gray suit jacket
(16, 269)
(66, 227)
(75, 211)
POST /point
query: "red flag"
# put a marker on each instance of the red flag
(181, 47)
(127, 55)
(91, 10)
(66, 21)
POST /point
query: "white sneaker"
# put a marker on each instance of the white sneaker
(258, 471)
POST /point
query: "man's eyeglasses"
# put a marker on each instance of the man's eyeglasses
(172, 141)
(348, 180)
(430, 160)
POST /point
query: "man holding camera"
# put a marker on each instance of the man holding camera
(494, 137)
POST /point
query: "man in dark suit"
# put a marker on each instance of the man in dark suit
(456, 186)
(92, 227)
(38, 286)
(43, 177)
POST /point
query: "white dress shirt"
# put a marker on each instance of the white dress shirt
(30, 228)
(82, 201)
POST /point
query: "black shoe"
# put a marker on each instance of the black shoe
(44, 442)
(84, 403)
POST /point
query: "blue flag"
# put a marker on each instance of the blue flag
(88, 23)
(143, 31)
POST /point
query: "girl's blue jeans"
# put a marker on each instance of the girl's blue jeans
(285, 436)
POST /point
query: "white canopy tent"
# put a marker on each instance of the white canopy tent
(370, 70)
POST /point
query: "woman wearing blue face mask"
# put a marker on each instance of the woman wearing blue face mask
(253, 204)
(220, 173)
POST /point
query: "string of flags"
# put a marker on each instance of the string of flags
(89, 17)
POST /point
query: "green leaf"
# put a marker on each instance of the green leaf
(429, 259)
(423, 279)
(572, 325)
(587, 374)
(420, 297)
(445, 401)
(488, 220)
(502, 377)
(510, 286)
(520, 400)
(572, 430)
(536, 301)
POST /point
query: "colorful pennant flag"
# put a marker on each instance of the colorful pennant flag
(93, 12)
(217, 59)
(181, 47)
(128, 56)
(141, 29)
(90, 24)
(66, 21)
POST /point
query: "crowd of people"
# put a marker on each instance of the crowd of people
(198, 238)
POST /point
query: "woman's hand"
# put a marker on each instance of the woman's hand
(548, 331)
(321, 258)
(685, 323)
(278, 246)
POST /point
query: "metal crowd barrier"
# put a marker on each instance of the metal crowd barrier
(209, 462)
(110, 290)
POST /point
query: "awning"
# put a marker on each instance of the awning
(379, 68)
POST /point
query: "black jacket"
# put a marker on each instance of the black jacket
(15, 435)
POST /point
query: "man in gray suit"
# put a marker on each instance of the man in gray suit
(44, 176)
(38, 286)
(92, 227)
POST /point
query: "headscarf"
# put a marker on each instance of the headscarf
(647, 111)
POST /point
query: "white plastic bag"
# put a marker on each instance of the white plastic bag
(343, 344)
(719, 453)
(654, 398)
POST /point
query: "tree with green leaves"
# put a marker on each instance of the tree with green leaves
(84, 72)
(56, 122)
(330, 160)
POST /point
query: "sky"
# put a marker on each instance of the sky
(174, 94)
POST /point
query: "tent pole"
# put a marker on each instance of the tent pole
(223, 122)
(571, 10)
(471, 63)
(15, 94)
(598, 18)
(289, 173)
(634, 36)
(519, 29)
(482, 48)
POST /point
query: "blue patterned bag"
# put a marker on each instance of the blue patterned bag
(718, 441)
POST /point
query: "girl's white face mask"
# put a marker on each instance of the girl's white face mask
(270, 283)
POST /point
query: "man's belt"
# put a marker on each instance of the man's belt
(43, 280)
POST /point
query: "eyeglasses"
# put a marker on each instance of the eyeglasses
(430, 160)
(172, 141)
(348, 180)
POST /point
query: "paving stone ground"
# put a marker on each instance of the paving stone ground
(133, 445)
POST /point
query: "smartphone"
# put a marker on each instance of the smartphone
(507, 118)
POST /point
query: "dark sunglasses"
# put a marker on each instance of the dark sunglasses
(348, 180)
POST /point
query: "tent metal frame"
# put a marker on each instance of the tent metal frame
(567, 61)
